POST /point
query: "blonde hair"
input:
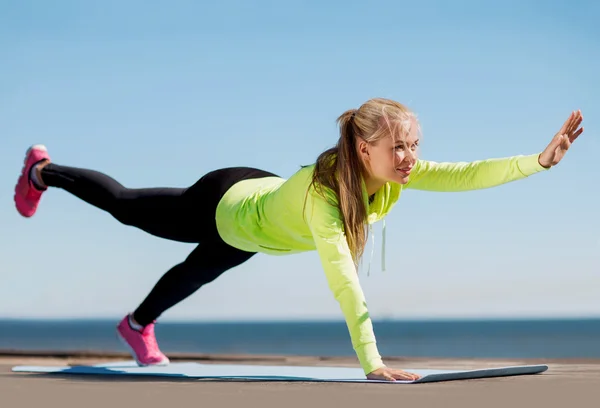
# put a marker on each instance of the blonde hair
(341, 169)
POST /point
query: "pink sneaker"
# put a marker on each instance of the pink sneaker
(143, 345)
(27, 196)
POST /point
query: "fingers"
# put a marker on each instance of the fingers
(576, 134)
(403, 375)
(389, 377)
(571, 124)
(567, 124)
(389, 374)
(576, 118)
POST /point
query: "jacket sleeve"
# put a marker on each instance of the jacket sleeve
(326, 226)
(465, 176)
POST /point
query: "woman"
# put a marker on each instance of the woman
(234, 213)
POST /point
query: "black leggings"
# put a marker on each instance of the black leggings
(179, 214)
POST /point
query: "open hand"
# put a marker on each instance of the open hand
(561, 142)
(389, 374)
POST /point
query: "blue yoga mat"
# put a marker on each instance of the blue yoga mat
(275, 373)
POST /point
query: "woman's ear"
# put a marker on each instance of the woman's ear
(363, 150)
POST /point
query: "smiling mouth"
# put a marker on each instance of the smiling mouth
(404, 170)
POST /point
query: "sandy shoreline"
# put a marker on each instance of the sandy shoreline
(566, 382)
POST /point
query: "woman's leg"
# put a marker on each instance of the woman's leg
(166, 212)
(207, 261)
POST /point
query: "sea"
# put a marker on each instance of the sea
(502, 338)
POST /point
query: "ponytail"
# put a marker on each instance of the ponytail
(341, 170)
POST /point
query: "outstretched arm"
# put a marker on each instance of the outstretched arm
(476, 175)
(465, 176)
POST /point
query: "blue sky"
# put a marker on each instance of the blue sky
(157, 94)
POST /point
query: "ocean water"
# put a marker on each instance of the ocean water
(569, 338)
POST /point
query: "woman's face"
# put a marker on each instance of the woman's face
(391, 158)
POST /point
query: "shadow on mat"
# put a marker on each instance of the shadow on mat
(101, 374)
(162, 379)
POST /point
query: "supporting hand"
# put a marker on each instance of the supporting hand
(389, 374)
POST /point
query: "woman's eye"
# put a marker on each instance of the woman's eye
(401, 147)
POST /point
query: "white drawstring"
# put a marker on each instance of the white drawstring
(373, 248)
(383, 247)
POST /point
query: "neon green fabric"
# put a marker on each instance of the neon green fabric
(276, 216)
